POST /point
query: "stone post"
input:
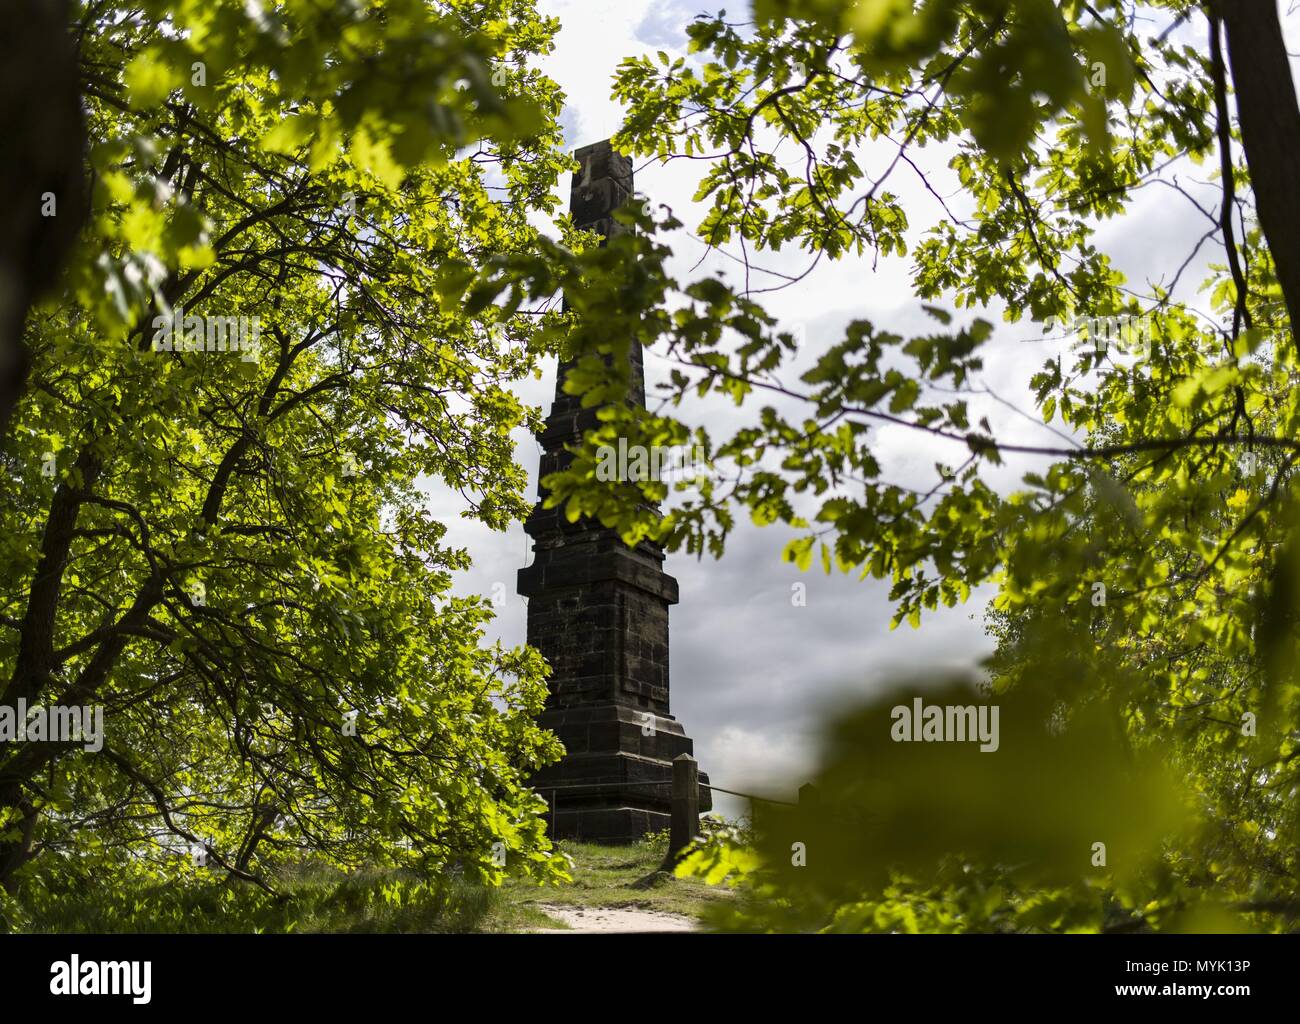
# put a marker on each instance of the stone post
(686, 805)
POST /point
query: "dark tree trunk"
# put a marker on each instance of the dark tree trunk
(44, 140)
(1270, 131)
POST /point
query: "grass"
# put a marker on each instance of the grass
(609, 876)
(314, 898)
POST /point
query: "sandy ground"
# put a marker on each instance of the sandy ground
(608, 920)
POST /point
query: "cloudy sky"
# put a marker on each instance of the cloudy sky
(752, 674)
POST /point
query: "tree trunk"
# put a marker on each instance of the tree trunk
(42, 172)
(1270, 131)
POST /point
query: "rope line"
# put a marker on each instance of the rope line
(748, 796)
(660, 785)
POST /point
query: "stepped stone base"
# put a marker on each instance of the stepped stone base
(615, 783)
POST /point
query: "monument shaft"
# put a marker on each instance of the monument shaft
(598, 612)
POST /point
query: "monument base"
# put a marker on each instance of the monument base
(615, 782)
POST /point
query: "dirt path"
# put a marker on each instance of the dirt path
(610, 920)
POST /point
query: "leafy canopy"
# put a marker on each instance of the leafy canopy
(231, 552)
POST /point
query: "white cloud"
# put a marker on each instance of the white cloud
(771, 762)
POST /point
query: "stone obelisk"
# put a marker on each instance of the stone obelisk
(598, 612)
